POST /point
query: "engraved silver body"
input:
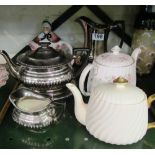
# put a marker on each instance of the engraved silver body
(44, 76)
(46, 116)
(45, 71)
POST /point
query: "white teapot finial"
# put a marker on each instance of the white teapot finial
(116, 49)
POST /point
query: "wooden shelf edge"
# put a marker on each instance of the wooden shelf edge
(6, 105)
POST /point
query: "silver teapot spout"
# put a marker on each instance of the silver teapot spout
(13, 69)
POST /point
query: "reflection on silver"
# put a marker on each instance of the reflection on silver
(48, 115)
(44, 70)
(67, 139)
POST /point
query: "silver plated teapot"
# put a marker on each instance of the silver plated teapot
(45, 70)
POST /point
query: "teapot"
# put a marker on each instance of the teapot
(43, 67)
(45, 70)
(117, 113)
(108, 66)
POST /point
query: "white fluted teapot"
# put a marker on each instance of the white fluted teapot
(107, 67)
(117, 113)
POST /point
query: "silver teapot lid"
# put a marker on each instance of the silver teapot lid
(43, 56)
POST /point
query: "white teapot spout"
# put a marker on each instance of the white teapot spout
(80, 107)
(135, 54)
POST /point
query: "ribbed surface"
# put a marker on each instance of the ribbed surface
(32, 121)
(114, 60)
(46, 82)
(116, 124)
(45, 78)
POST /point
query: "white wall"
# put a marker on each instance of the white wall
(20, 24)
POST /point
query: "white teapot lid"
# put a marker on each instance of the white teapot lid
(114, 58)
(120, 92)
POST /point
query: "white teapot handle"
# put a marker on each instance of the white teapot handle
(83, 78)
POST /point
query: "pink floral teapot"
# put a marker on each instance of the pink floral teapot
(107, 66)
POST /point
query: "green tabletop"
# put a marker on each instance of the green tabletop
(67, 133)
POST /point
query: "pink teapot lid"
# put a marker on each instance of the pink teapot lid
(114, 58)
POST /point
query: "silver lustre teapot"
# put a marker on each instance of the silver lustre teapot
(43, 67)
(42, 70)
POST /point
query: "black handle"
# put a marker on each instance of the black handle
(91, 23)
(116, 24)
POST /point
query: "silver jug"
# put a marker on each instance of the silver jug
(96, 35)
